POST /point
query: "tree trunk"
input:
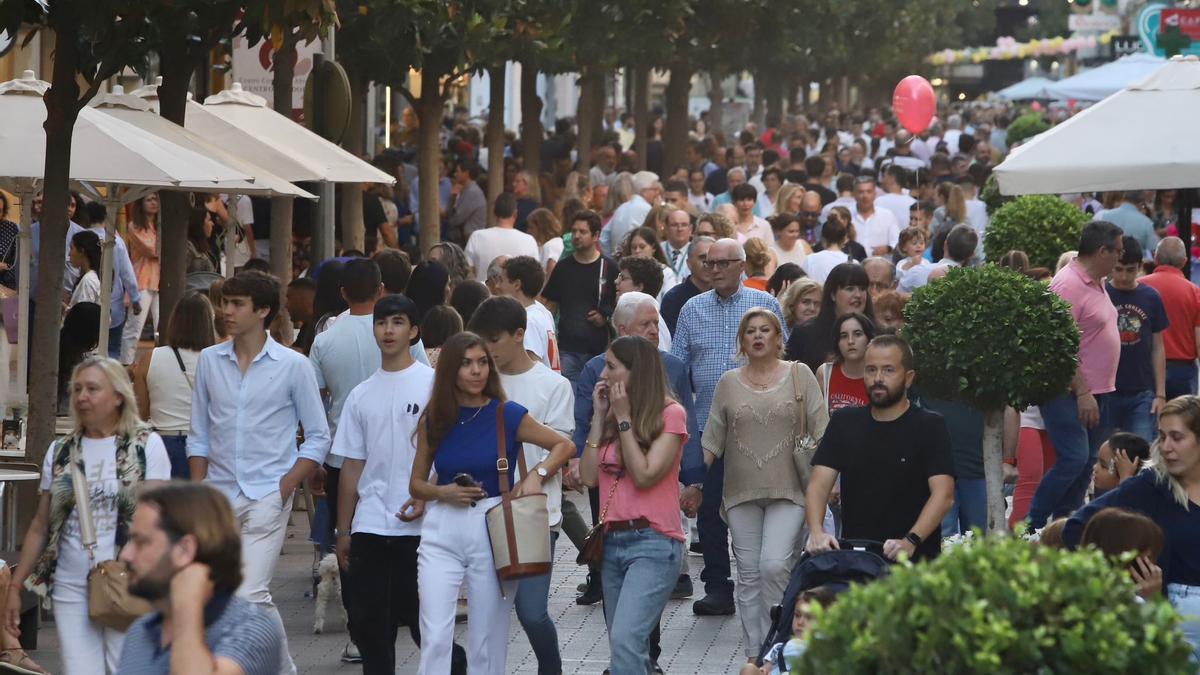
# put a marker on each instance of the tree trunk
(532, 132)
(675, 132)
(280, 241)
(716, 106)
(172, 225)
(641, 113)
(495, 137)
(773, 86)
(993, 459)
(585, 114)
(429, 160)
(353, 227)
(62, 109)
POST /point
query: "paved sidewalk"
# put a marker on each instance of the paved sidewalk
(690, 644)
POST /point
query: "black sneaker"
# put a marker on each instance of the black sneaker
(696, 548)
(683, 588)
(593, 594)
(711, 605)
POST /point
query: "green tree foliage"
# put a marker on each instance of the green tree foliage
(999, 606)
(1026, 126)
(991, 337)
(1043, 226)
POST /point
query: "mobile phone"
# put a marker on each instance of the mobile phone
(465, 480)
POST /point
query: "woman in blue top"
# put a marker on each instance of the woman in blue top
(1168, 492)
(457, 439)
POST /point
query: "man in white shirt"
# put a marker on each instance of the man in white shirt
(878, 230)
(549, 399)
(378, 522)
(250, 396)
(977, 214)
(845, 196)
(522, 279)
(503, 238)
(632, 213)
(679, 240)
(893, 198)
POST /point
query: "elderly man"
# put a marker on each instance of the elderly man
(1182, 301)
(881, 274)
(706, 339)
(630, 215)
(678, 241)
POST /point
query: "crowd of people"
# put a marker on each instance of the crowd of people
(718, 343)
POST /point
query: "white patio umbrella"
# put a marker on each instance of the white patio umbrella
(1106, 80)
(1133, 140)
(105, 150)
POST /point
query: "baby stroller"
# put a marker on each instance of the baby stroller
(857, 561)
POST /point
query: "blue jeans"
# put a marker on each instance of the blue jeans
(1130, 411)
(177, 452)
(1181, 378)
(1186, 601)
(533, 595)
(714, 535)
(571, 364)
(969, 509)
(1063, 487)
(639, 570)
(115, 333)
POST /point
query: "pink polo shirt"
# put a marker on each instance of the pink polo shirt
(1099, 339)
(658, 504)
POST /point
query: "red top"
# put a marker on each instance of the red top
(845, 392)
(1181, 298)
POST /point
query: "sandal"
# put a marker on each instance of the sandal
(17, 661)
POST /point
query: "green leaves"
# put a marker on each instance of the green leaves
(1026, 126)
(999, 605)
(991, 337)
(1042, 226)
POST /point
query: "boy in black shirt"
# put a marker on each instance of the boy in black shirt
(894, 461)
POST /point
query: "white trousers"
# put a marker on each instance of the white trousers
(134, 323)
(87, 648)
(264, 527)
(454, 550)
(765, 533)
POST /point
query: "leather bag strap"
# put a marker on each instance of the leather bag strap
(801, 411)
(502, 468)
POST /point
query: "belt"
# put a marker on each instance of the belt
(1182, 362)
(621, 525)
(170, 434)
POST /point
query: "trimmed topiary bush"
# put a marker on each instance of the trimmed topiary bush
(999, 605)
(990, 195)
(1026, 126)
(1042, 226)
(990, 337)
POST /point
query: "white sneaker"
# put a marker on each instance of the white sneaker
(350, 654)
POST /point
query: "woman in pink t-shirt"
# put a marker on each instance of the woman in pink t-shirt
(632, 454)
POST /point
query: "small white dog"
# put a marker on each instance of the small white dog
(329, 591)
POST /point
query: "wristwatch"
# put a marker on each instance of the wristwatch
(541, 471)
(340, 533)
(914, 539)
(624, 426)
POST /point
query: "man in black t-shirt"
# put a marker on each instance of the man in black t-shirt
(582, 292)
(894, 461)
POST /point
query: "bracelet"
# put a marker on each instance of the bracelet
(592, 445)
(1162, 397)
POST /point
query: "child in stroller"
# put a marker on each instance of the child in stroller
(832, 572)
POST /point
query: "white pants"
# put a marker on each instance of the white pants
(87, 648)
(134, 323)
(264, 527)
(765, 533)
(455, 549)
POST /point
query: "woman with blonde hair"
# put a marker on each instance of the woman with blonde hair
(801, 302)
(759, 263)
(116, 453)
(619, 192)
(952, 209)
(714, 225)
(546, 230)
(789, 199)
(758, 413)
(656, 219)
(1168, 493)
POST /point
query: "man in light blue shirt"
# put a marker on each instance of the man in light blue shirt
(1132, 221)
(250, 396)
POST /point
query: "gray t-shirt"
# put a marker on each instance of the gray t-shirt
(233, 628)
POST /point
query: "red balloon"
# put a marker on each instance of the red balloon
(1035, 106)
(914, 103)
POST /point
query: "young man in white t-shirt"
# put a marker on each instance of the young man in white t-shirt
(522, 279)
(549, 398)
(503, 238)
(379, 523)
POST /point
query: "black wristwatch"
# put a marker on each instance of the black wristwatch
(914, 539)
(624, 426)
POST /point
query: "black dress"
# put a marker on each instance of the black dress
(8, 253)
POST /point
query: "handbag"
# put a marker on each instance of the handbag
(110, 603)
(804, 445)
(518, 527)
(592, 550)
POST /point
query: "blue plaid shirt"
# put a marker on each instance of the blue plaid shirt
(706, 338)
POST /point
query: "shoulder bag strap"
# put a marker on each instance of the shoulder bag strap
(83, 503)
(801, 411)
(179, 360)
(502, 467)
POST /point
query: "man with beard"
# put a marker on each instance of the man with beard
(185, 557)
(894, 462)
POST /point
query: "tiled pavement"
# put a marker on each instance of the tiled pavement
(690, 644)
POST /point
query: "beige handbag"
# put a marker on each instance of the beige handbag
(805, 446)
(518, 527)
(109, 602)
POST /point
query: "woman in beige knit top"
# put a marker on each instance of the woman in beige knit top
(753, 424)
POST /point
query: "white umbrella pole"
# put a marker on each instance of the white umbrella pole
(231, 237)
(106, 267)
(24, 269)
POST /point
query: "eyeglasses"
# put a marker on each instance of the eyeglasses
(808, 214)
(720, 264)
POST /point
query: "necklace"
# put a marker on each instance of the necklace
(756, 384)
(472, 417)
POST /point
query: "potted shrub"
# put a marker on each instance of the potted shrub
(999, 605)
(1042, 226)
(1025, 127)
